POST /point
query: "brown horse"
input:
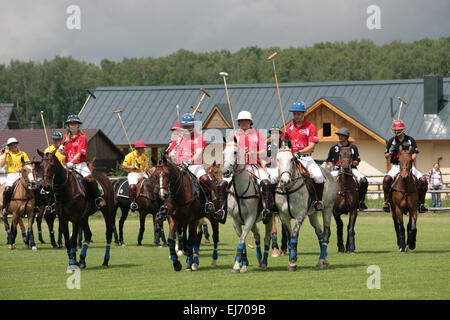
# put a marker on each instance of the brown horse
(185, 206)
(74, 205)
(405, 199)
(21, 204)
(148, 202)
(347, 201)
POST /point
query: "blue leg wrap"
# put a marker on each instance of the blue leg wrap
(258, 250)
(240, 250)
(266, 254)
(84, 248)
(293, 248)
(189, 257)
(108, 248)
(173, 255)
(323, 249)
(215, 254)
(72, 255)
(196, 250)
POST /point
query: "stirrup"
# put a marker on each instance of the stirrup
(162, 213)
(318, 205)
(97, 202)
(363, 206)
(386, 206)
(422, 208)
(219, 215)
(209, 207)
(134, 206)
(266, 215)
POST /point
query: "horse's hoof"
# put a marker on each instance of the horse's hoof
(116, 243)
(322, 264)
(188, 269)
(194, 267)
(72, 267)
(235, 270)
(275, 253)
(11, 247)
(34, 248)
(263, 267)
(105, 266)
(177, 265)
(139, 245)
(244, 269)
(26, 246)
(123, 244)
(83, 265)
(292, 266)
(214, 263)
(41, 241)
(179, 253)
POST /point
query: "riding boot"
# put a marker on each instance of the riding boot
(222, 194)
(273, 189)
(93, 190)
(132, 194)
(423, 188)
(387, 182)
(318, 187)
(210, 189)
(7, 193)
(363, 185)
(266, 198)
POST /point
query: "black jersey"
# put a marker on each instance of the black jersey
(333, 154)
(393, 147)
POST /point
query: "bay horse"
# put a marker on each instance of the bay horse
(295, 202)
(405, 199)
(147, 200)
(185, 206)
(21, 204)
(74, 205)
(347, 201)
(244, 206)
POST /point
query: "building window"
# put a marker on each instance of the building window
(327, 129)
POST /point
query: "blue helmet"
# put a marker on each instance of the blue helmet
(73, 118)
(57, 135)
(187, 120)
(298, 106)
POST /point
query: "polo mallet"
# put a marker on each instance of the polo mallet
(205, 93)
(271, 58)
(402, 101)
(178, 113)
(45, 130)
(91, 94)
(125, 131)
(224, 75)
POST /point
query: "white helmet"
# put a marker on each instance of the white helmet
(11, 140)
(244, 115)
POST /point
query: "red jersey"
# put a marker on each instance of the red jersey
(77, 144)
(250, 141)
(300, 137)
(187, 147)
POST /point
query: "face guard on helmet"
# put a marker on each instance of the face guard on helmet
(398, 127)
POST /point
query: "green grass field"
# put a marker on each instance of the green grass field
(146, 272)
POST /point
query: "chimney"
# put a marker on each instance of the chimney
(33, 125)
(433, 89)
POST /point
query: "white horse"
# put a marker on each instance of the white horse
(294, 202)
(243, 205)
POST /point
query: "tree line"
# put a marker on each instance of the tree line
(58, 86)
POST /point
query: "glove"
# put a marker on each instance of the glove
(186, 164)
(393, 149)
(70, 165)
(297, 155)
(61, 149)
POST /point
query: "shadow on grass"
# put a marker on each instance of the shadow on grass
(313, 267)
(112, 266)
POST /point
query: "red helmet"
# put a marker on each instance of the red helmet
(175, 126)
(139, 144)
(398, 125)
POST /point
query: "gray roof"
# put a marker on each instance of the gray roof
(149, 112)
(5, 114)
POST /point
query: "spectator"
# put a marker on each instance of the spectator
(435, 182)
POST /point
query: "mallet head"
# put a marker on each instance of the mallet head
(205, 92)
(273, 55)
(402, 100)
(117, 111)
(223, 74)
(91, 94)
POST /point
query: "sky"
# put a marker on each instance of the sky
(113, 29)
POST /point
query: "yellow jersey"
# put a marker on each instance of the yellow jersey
(14, 161)
(61, 157)
(129, 161)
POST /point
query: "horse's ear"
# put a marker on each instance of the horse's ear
(235, 139)
(154, 161)
(23, 161)
(40, 153)
(214, 163)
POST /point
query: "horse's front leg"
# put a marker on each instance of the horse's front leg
(412, 230)
(87, 239)
(267, 238)
(397, 216)
(72, 248)
(39, 223)
(350, 245)
(171, 242)
(30, 233)
(193, 248)
(215, 236)
(339, 231)
(292, 266)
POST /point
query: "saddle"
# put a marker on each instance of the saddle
(308, 178)
(124, 188)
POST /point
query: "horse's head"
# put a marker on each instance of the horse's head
(214, 172)
(405, 162)
(345, 160)
(161, 174)
(48, 167)
(229, 158)
(286, 163)
(28, 174)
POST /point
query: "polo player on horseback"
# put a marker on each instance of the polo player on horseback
(392, 153)
(186, 151)
(252, 145)
(333, 161)
(13, 159)
(57, 140)
(303, 137)
(74, 147)
(135, 163)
